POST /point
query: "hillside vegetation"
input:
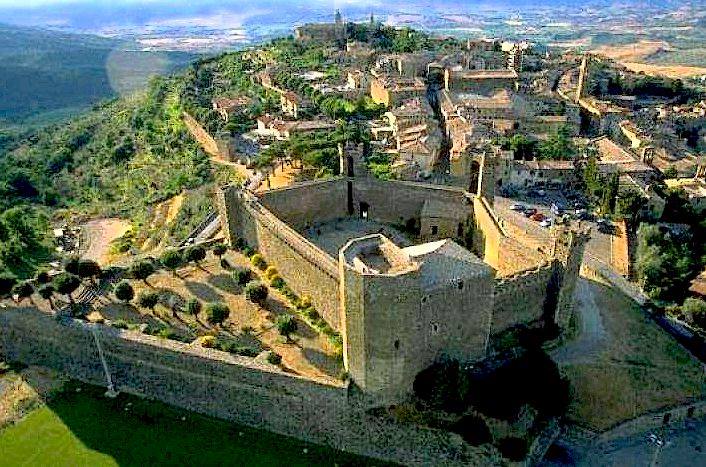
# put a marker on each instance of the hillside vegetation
(47, 75)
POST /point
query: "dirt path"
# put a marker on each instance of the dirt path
(98, 234)
(592, 334)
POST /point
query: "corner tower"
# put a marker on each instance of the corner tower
(404, 308)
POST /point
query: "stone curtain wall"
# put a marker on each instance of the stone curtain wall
(307, 269)
(201, 135)
(309, 203)
(394, 202)
(488, 234)
(520, 298)
(231, 387)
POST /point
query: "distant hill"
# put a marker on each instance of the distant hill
(45, 75)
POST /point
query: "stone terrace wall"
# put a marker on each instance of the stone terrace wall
(308, 203)
(307, 269)
(225, 386)
(520, 298)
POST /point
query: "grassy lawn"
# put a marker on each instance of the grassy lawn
(642, 368)
(85, 428)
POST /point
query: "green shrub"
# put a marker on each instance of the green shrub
(142, 270)
(42, 277)
(277, 282)
(71, 265)
(247, 251)
(256, 292)
(239, 244)
(7, 282)
(258, 261)
(219, 249)
(270, 272)
(193, 306)
(216, 313)
(172, 260)
(66, 284)
(88, 269)
(23, 290)
(120, 324)
(286, 325)
(195, 254)
(123, 291)
(274, 358)
(241, 276)
(148, 299)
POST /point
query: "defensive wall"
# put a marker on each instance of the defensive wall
(271, 223)
(235, 388)
(395, 324)
(520, 298)
(307, 268)
(201, 135)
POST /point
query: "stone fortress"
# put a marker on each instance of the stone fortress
(404, 300)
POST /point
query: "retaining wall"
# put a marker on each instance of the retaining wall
(226, 386)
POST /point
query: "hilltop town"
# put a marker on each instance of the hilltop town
(418, 249)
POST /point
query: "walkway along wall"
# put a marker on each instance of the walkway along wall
(235, 388)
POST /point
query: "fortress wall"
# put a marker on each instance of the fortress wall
(488, 234)
(231, 387)
(307, 269)
(395, 202)
(201, 135)
(308, 203)
(520, 298)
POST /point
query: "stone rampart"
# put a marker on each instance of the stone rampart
(520, 298)
(395, 202)
(307, 269)
(488, 234)
(235, 388)
(201, 135)
(308, 203)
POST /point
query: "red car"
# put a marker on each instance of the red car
(537, 216)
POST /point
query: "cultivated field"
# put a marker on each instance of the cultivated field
(641, 56)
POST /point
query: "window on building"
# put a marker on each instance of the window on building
(434, 229)
(434, 328)
(397, 344)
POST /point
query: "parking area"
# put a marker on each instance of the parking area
(525, 212)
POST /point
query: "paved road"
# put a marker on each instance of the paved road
(682, 446)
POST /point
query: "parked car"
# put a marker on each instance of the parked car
(546, 223)
(517, 207)
(529, 212)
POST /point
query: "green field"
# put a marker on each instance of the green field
(85, 428)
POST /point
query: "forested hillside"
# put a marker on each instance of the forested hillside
(45, 75)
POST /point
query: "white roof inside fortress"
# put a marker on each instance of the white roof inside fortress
(444, 261)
